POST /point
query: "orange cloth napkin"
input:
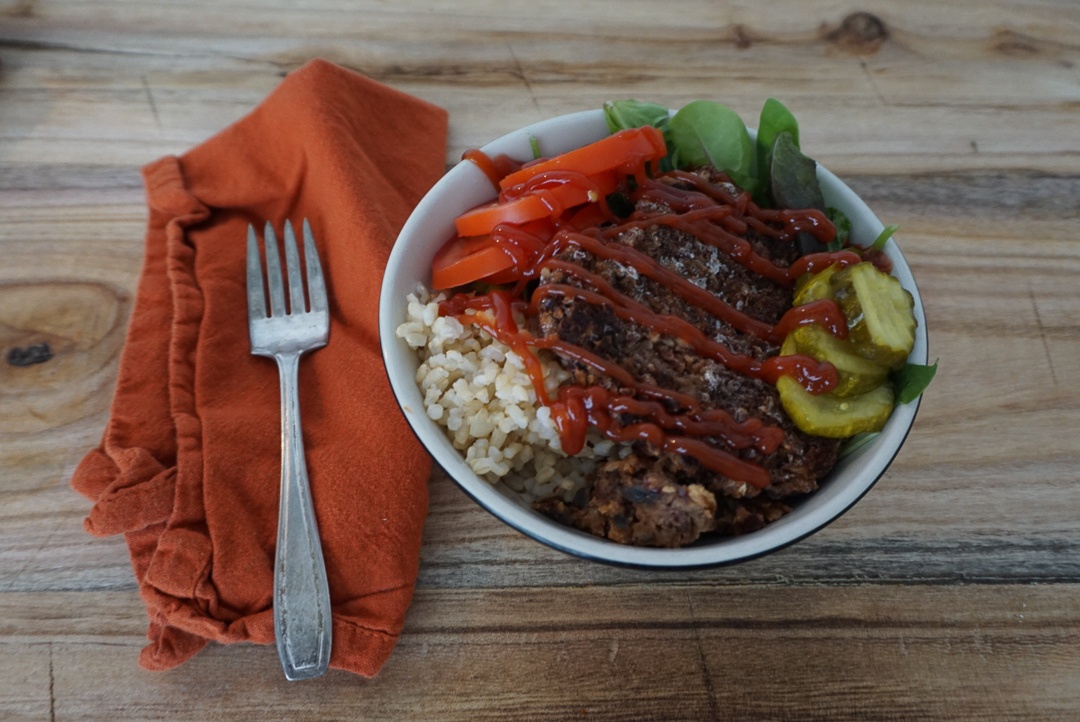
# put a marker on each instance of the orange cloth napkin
(189, 466)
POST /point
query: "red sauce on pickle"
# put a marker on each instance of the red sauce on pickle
(669, 420)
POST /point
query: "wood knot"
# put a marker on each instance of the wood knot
(742, 38)
(37, 353)
(860, 33)
(59, 344)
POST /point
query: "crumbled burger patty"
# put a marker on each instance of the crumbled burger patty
(655, 498)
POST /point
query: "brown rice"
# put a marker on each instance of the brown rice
(477, 389)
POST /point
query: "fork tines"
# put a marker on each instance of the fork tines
(287, 321)
(316, 288)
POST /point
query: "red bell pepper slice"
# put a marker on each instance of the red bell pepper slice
(623, 151)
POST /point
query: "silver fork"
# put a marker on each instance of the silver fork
(302, 622)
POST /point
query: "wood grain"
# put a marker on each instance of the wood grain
(671, 651)
(949, 592)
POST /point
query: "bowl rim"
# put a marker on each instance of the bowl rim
(812, 514)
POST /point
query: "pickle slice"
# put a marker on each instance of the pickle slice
(814, 286)
(833, 416)
(879, 311)
(857, 373)
(788, 347)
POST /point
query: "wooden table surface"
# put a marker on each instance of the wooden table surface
(951, 591)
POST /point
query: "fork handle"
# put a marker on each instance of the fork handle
(302, 617)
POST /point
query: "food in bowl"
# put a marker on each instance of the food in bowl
(615, 339)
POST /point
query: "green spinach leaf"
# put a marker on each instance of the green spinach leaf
(775, 119)
(793, 179)
(623, 114)
(910, 381)
(706, 133)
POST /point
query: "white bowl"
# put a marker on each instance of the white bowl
(432, 224)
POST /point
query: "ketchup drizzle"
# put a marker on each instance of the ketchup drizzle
(495, 168)
(666, 419)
